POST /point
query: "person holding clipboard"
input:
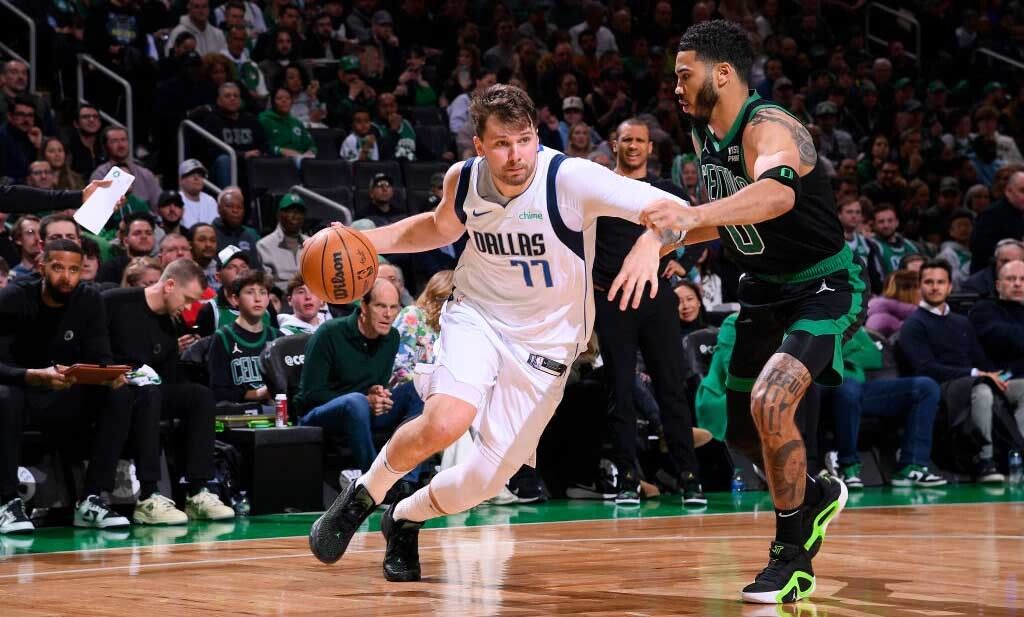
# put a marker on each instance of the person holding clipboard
(48, 324)
(18, 199)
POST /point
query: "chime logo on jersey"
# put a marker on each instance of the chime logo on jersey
(515, 244)
(720, 181)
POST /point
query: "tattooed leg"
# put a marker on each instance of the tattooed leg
(774, 400)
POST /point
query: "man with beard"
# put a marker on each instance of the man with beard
(137, 240)
(82, 140)
(801, 295)
(652, 329)
(115, 144)
(892, 246)
(46, 325)
(863, 248)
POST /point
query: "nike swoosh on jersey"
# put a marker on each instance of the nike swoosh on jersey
(475, 213)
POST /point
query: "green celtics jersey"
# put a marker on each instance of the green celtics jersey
(894, 250)
(800, 238)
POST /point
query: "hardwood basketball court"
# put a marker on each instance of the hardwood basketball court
(949, 551)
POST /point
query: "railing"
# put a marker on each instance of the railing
(31, 62)
(129, 123)
(902, 19)
(330, 203)
(985, 51)
(217, 142)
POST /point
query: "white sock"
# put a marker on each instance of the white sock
(381, 476)
(417, 507)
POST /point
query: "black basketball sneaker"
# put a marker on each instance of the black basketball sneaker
(402, 556)
(788, 577)
(817, 516)
(331, 533)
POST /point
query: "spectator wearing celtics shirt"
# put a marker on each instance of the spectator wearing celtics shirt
(851, 219)
(892, 245)
(957, 249)
(234, 359)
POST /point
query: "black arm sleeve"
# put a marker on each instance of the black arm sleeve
(18, 199)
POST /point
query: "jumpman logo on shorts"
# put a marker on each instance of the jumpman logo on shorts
(824, 287)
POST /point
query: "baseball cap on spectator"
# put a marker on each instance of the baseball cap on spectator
(170, 197)
(901, 83)
(378, 178)
(949, 185)
(572, 102)
(291, 200)
(826, 108)
(937, 86)
(382, 17)
(991, 87)
(349, 63)
(868, 86)
(189, 166)
(230, 253)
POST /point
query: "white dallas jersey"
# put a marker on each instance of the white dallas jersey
(526, 266)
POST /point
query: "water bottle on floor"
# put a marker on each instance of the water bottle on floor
(738, 485)
(241, 504)
(1016, 468)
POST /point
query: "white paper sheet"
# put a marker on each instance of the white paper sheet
(100, 206)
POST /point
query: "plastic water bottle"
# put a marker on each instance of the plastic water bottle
(1016, 468)
(241, 504)
(737, 484)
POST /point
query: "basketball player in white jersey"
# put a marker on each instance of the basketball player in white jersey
(521, 311)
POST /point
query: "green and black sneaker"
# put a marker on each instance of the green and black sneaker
(817, 516)
(788, 577)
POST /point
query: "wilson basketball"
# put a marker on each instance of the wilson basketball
(339, 265)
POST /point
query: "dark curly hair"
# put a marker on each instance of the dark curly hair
(720, 41)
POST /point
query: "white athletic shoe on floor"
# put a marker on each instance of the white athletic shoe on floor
(96, 513)
(13, 518)
(206, 506)
(158, 510)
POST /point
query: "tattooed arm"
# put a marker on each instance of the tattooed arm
(772, 138)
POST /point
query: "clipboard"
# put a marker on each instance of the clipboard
(94, 374)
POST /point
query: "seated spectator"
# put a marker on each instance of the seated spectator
(20, 140)
(900, 297)
(986, 118)
(204, 253)
(209, 38)
(171, 209)
(396, 137)
(983, 282)
(413, 89)
(691, 309)
(957, 249)
(47, 323)
(283, 50)
(343, 95)
(710, 407)
(935, 220)
(41, 176)
(863, 247)
(141, 272)
(306, 108)
(222, 310)
(458, 109)
(940, 344)
(239, 129)
(361, 143)
(26, 237)
(343, 387)
(235, 351)
(137, 240)
(230, 228)
(1003, 219)
(1000, 325)
(307, 309)
(59, 226)
(115, 144)
(199, 206)
(14, 85)
(250, 76)
(868, 165)
(394, 274)
(280, 250)
(252, 15)
(286, 136)
(888, 185)
(381, 194)
(83, 143)
(144, 335)
(321, 41)
(418, 327)
(914, 398)
(579, 143)
(835, 143)
(891, 244)
(54, 152)
(90, 260)
(977, 199)
(172, 248)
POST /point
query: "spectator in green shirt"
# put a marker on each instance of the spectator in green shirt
(286, 136)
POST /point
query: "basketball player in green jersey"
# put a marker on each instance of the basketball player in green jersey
(801, 295)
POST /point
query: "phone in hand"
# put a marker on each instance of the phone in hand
(1006, 375)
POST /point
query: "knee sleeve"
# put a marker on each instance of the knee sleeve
(469, 483)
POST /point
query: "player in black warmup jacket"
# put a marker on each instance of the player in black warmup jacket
(802, 293)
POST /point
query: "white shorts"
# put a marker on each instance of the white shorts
(514, 388)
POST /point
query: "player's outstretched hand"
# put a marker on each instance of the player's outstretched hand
(96, 184)
(666, 214)
(638, 269)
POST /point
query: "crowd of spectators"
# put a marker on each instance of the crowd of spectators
(925, 159)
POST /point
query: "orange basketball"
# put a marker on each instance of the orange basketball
(339, 265)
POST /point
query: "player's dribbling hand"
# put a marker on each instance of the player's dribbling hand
(667, 214)
(639, 268)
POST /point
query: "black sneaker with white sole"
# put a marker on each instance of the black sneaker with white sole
(788, 577)
(402, 555)
(526, 485)
(331, 533)
(693, 494)
(94, 512)
(13, 518)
